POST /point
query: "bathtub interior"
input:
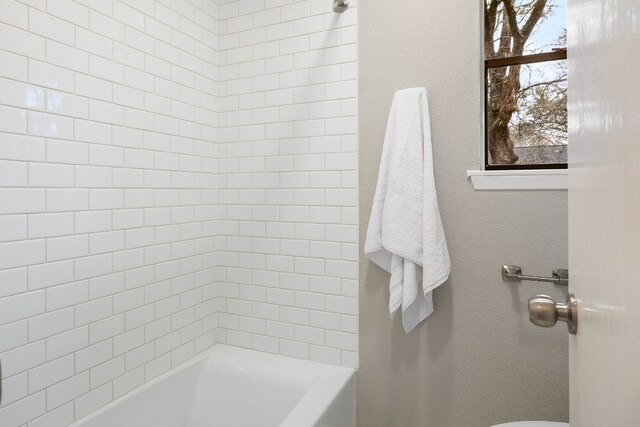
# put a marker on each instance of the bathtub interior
(163, 402)
(237, 391)
(232, 387)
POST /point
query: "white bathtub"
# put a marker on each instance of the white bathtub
(233, 387)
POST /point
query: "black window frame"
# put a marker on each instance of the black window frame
(554, 55)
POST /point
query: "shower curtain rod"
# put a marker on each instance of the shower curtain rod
(340, 5)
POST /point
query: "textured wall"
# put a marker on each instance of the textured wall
(107, 193)
(288, 233)
(476, 361)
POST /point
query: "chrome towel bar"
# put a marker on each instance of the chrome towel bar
(513, 273)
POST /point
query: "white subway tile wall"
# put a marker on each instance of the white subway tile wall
(173, 173)
(287, 203)
(107, 199)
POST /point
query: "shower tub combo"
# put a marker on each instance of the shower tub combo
(234, 387)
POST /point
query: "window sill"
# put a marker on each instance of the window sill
(547, 179)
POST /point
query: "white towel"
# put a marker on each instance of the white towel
(405, 235)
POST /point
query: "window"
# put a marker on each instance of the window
(525, 84)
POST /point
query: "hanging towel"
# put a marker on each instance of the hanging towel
(405, 235)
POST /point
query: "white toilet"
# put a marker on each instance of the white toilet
(533, 424)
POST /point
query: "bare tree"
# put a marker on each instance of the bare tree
(515, 25)
(541, 119)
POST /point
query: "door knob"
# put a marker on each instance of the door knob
(545, 312)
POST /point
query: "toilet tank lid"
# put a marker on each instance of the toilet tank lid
(533, 424)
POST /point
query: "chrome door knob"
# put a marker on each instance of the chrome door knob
(545, 312)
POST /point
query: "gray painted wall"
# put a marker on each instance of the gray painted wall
(477, 361)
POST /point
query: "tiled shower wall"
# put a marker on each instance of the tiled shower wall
(107, 195)
(169, 180)
(288, 234)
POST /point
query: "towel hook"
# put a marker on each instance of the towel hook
(340, 5)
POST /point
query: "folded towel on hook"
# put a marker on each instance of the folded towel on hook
(405, 235)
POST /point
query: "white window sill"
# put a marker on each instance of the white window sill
(546, 179)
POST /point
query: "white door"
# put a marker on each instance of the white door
(604, 211)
